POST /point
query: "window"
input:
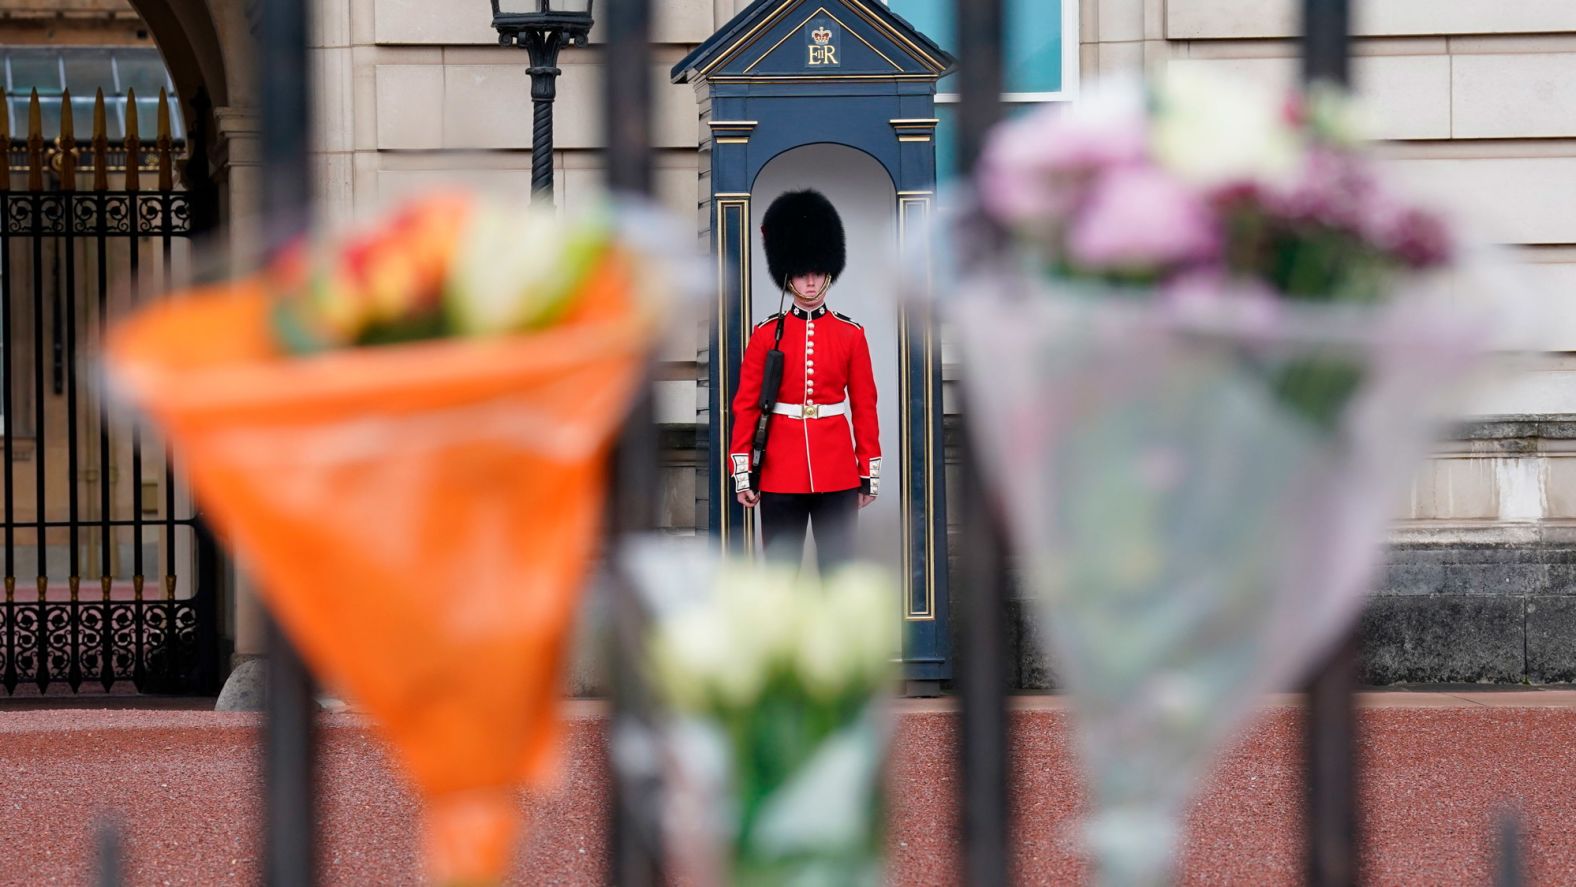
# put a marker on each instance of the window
(1041, 57)
(85, 70)
(1041, 63)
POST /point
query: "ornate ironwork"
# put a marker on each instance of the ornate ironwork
(57, 649)
(90, 658)
(124, 640)
(25, 652)
(74, 230)
(102, 213)
(104, 629)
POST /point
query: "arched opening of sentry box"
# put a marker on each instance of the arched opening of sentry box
(838, 95)
(865, 197)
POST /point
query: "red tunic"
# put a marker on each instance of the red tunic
(826, 361)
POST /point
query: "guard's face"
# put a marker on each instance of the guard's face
(809, 286)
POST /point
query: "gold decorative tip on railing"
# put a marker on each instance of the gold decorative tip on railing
(105, 582)
(10, 589)
(169, 587)
(35, 144)
(66, 144)
(76, 585)
(166, 163)
(43, 587)
(136, 587)
(100, 143)
(133, 143)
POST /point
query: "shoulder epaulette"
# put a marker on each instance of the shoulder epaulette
(841, 316)
(762, 323)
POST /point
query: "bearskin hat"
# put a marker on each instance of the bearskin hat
(803, 235)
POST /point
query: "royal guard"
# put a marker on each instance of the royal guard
(806, 442)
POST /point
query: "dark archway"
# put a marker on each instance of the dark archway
(187, 38)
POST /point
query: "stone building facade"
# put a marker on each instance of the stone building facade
(1477, 101)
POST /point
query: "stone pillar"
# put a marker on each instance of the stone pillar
(238, 171)
(237, 165)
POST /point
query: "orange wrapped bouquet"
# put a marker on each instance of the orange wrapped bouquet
(403, 433)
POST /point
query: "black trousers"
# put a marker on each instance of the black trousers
(786, 516)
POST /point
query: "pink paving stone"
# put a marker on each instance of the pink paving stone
(186, 783)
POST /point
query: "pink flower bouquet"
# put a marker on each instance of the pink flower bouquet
(1198, 388)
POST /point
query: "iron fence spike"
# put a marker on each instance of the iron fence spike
(100, 143)
(163, 144)
(35, 144)
(133, 143)
(66, 143)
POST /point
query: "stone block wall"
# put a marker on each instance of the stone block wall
(1475, 99)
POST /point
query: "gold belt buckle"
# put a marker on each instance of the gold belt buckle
(812, 410)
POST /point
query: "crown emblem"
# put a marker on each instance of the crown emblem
(822, 35)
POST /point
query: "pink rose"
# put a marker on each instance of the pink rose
(1015, 193)
(1139, 217)
(1071, 140)
(1034, 166)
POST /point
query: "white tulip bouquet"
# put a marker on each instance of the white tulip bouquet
(772, 687)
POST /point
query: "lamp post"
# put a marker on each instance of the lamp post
(541, 28)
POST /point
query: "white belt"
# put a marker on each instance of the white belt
(810, 410)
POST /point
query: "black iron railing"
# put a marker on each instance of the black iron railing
(290, 740)
(636, 854)
(106, 587)
(983, 669)
(634, 831)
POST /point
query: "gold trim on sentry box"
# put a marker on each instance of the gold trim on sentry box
(921, 203)
(820, 10)
(819, 78)
(749, 36)
(724, 489)
(776, 15)
(897, 37)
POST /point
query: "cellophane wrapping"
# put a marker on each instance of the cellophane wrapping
(1197, 490)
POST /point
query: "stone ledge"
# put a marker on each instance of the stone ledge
(1552, 426)
(1478, 570)
(1544, 427)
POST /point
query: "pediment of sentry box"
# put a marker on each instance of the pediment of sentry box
(789, 40)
